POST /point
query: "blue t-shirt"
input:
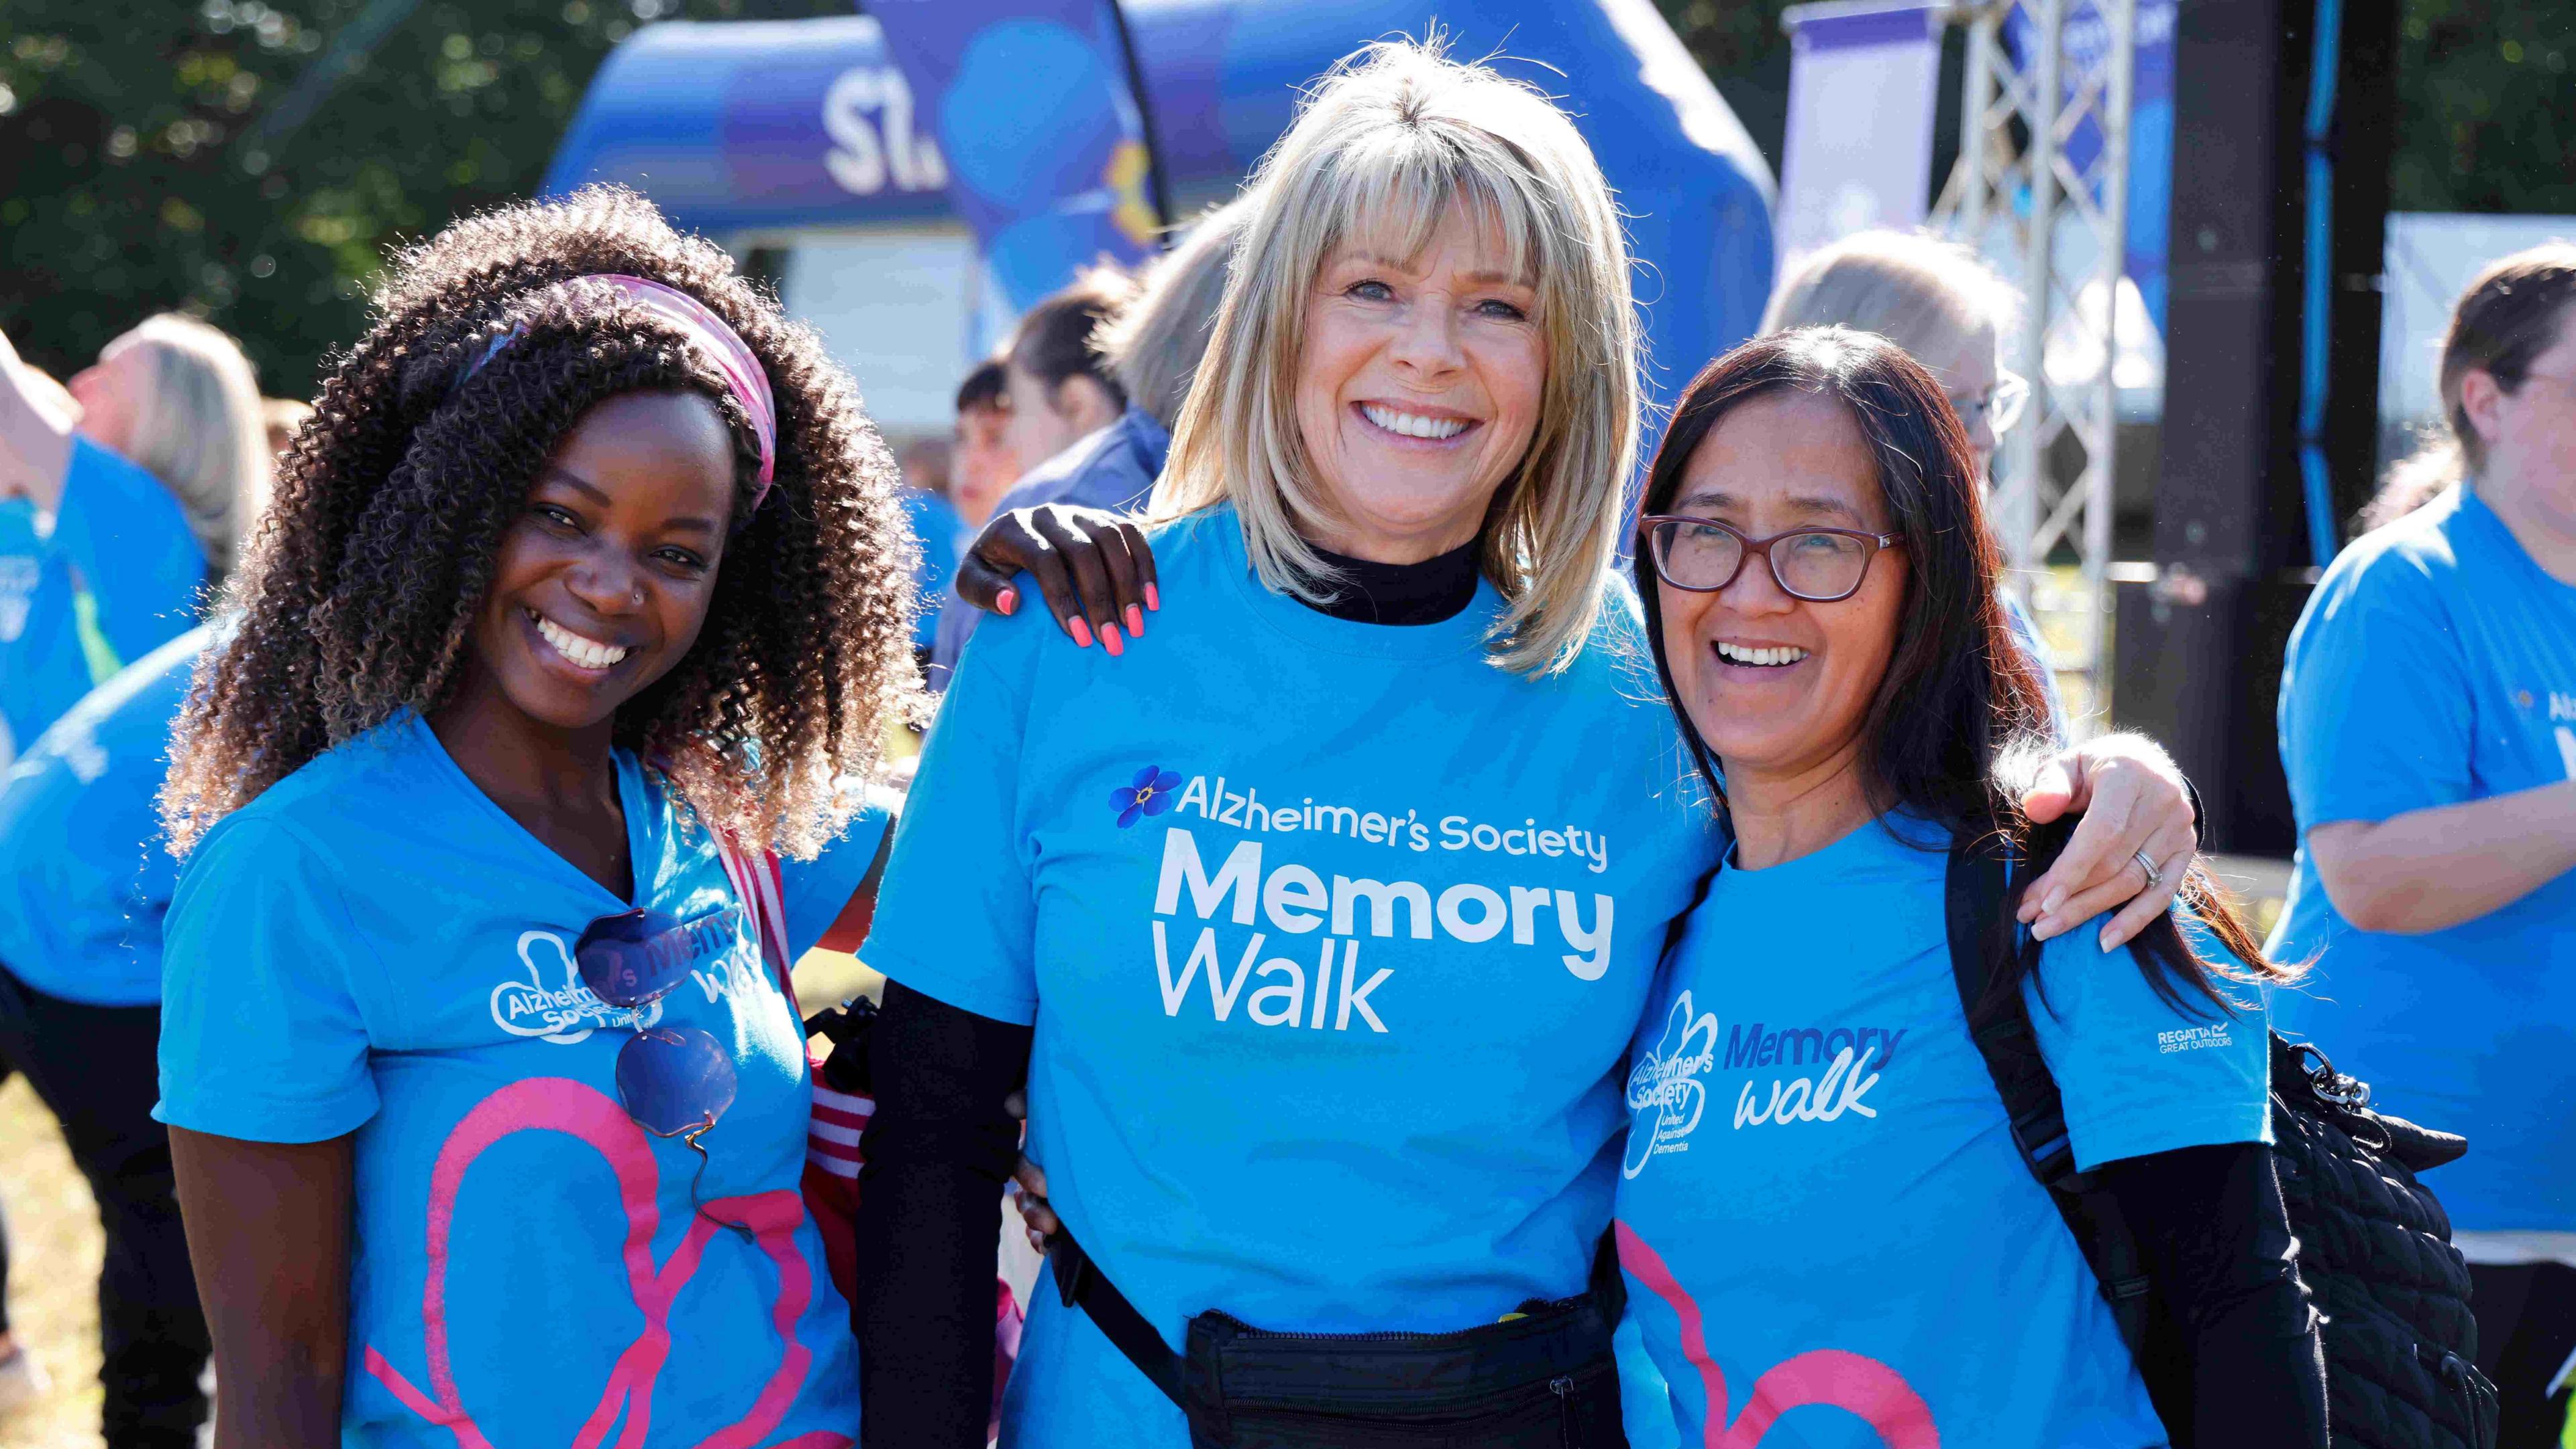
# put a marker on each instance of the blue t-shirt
(120, 539)
(1334, 936)
(935, 525)
(1114, 468)
(22, 559)
(2436, 664)
(1821, 1211)
(374, 946)
(84, 875)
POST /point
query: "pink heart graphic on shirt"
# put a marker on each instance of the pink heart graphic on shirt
(559, 1104)
(1863, 1386)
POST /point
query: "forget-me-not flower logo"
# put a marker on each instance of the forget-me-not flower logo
(1665, 1096)
(1151, 794)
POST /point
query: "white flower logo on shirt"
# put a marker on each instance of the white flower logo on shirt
(565, 1016)
(1665, 1097)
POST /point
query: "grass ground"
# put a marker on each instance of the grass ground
(54, 1242)
(53, 1274)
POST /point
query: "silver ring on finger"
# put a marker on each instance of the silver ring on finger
(2155, 877)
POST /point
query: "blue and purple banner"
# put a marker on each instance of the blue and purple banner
(1045, 150)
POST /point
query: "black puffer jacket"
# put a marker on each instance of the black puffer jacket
(2375, 1249)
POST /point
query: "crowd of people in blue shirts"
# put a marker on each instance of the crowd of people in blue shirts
(1423, 979)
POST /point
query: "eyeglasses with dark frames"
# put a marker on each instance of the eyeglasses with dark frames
(1702, 555)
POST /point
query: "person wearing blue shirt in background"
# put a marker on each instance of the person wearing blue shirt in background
(1822, 1214)
(2428, 728)
(84, 882)
(487, 1100)
(935, 527)
(1319, 923)
(144, 476)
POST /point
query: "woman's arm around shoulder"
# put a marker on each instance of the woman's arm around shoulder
(1093, 568)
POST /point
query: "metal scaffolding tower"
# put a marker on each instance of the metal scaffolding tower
(2042, 185)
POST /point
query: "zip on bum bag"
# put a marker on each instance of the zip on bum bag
(2374, 1244)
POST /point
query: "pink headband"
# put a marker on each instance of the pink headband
(716, 341)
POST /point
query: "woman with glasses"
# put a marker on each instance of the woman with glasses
(1948, 310)
(1822, 1213)
(2428, 727)
(1318, 921)
(488, 1104)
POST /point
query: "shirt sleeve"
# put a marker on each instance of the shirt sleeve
(955, 915)
(816, 891)
(131, 543)
(262, 1038)
(2375, 701)
(2138, 1074)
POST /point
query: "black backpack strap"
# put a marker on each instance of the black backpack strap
(1983, 938)
(1081, 1284)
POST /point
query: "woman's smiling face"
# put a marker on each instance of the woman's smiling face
(602, 583)
(1779, 462)
(1418, 388)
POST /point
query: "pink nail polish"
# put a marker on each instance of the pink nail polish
(1109, 640)
(1153, 598)
(1135, 621)
(1005, 601)
(1081, 632)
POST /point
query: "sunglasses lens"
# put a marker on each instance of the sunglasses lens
(632, 958)
(674, 1079)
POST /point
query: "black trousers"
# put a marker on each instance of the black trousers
(96, 1067)
(2526, 1328)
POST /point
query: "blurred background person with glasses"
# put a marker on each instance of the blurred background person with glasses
(1947, 308)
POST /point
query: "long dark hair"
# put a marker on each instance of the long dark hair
(1959, 722)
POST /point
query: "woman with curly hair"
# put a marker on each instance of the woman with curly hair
(480, 1094)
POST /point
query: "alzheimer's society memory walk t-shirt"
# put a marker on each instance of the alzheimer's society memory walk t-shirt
(1334, 935)
(1830, 1240)
(374, 946)
(2436, 664)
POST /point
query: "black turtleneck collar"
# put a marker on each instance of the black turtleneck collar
(1428, 592)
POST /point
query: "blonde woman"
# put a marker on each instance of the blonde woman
(1320, 919)
(145, 478)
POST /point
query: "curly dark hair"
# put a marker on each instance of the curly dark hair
(366, 573)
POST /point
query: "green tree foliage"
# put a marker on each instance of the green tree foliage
(2486, 107)
(250, 162)
(2486, 91)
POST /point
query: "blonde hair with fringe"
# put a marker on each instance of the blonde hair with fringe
(1394, 137)
(201, 428)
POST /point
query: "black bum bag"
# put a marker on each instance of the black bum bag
(1544, 1379)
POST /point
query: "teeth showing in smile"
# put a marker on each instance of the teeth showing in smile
(587, 653)
(1413, 425)
(1738, 654)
